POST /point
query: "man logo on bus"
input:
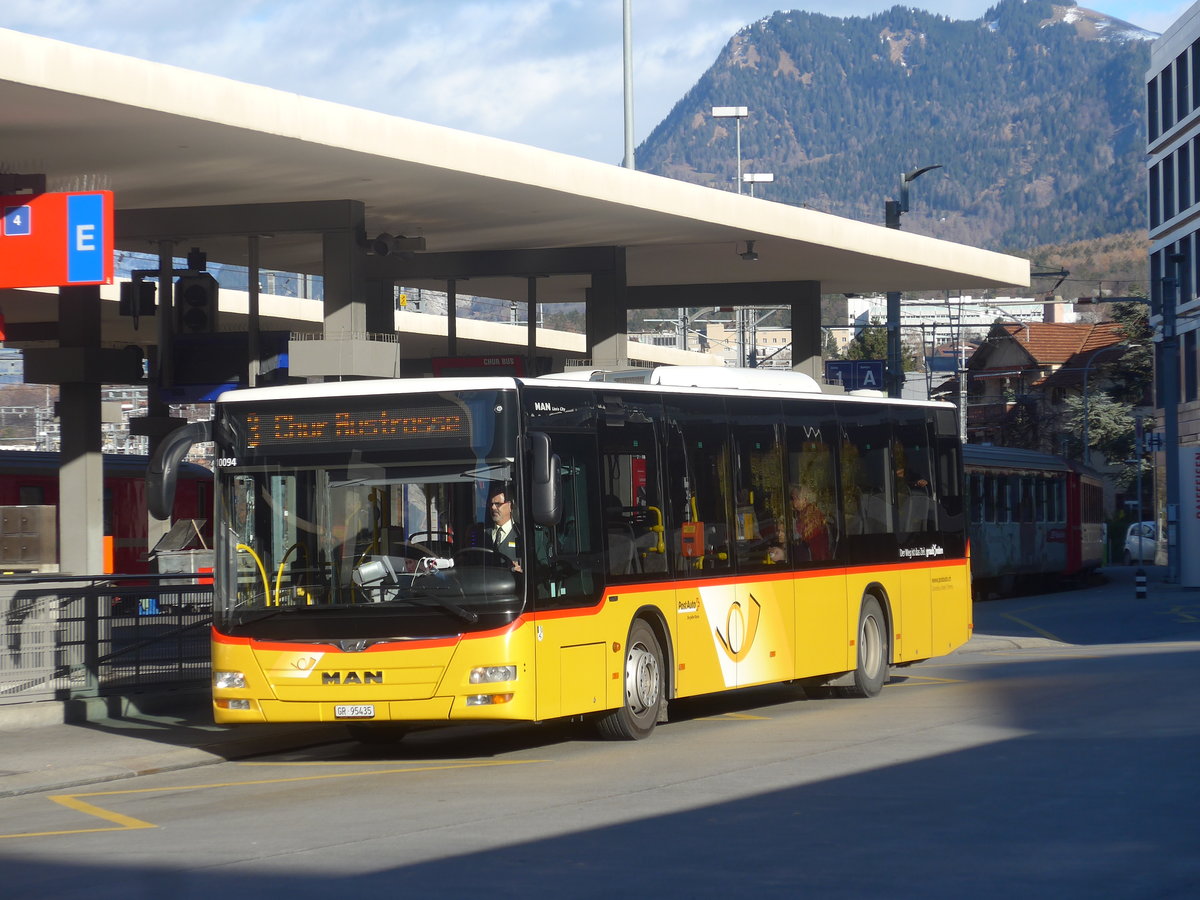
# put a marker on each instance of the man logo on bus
(352, 678)
(739, 633)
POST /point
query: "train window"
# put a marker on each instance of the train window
(976, 488)
(32, 495)
(1001, 489)
(1025, 511)
(1039, 499)
(989, 498)
(1092, 503)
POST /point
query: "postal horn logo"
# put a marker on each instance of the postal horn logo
(741, 626)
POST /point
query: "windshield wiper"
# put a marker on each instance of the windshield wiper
(428, 598)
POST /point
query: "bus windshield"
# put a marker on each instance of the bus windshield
(383, 535)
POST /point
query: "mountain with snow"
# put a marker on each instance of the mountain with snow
(1092, 25)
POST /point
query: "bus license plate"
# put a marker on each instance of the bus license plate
(354, 711)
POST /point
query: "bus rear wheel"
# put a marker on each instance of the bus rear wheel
(643, 682)
(872, 644)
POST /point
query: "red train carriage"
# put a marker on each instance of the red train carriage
(1033, 517)
(30, 478)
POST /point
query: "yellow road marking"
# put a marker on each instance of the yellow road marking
(1181, 614)
(1043, 632)
(128, 823)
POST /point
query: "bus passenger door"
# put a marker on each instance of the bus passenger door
(568, 582)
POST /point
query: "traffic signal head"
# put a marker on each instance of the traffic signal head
(196, 303)
(137, 298)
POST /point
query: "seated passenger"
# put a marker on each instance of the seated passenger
(811, 531)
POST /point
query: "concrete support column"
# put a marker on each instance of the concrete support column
(452, 317)
(607, 314)
(531, 302)
(81, 472)
(345, 286)
(380, 306)
(253, 342)
(806, 330)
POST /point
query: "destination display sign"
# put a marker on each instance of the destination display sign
(287, 428)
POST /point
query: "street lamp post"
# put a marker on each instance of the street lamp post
(737, 113)
(753, 178)
(627, 42)
(892, 210)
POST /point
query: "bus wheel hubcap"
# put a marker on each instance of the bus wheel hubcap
(641, 680)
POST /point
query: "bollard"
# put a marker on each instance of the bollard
(1139, 579)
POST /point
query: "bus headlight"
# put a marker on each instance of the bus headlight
(491, 674)
(229, 680)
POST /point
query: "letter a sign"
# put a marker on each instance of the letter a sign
(855, 375)
(869, 374)
(56, 239)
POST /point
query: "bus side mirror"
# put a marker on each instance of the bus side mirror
(163, 470)
(547, 481)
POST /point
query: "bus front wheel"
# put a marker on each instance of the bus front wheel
(872, 643)
(643, 682)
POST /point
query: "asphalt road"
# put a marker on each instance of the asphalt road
(1068, 770)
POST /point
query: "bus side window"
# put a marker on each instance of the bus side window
(569, 567)
(813, 527)
(948, 483)
(867, 482)
(912, 462)
(760, 522)
(632, 506)
(700, 483)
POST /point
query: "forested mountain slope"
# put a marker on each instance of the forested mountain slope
(1035, 111)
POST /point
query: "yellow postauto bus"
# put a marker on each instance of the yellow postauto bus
(703, 531)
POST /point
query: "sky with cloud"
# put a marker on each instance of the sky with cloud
(541, 72)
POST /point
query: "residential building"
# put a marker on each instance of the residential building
(1173, 190)
(1020, 377)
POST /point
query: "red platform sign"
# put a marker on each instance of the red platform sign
(56, 239)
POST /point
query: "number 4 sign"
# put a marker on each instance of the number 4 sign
(16, 220)
(56, 239)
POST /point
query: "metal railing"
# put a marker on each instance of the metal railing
(66, 637)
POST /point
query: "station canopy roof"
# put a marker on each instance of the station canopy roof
(160, 137)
